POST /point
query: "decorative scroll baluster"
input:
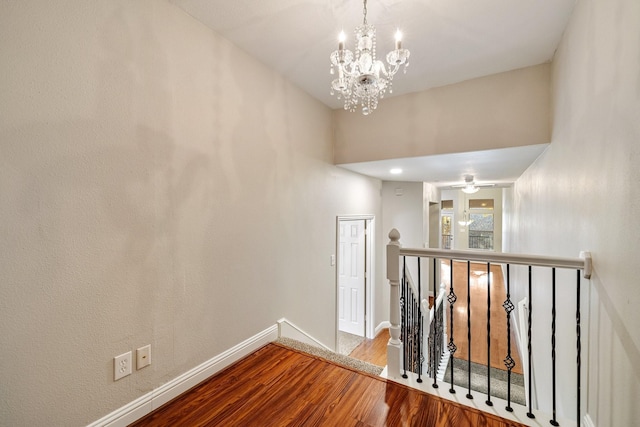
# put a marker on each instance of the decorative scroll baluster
(530, 413)
(508, 361)
(452, 299)
(578, 344)
(436, 338)
(412, 330)
(553, 344)
(488, 401)
(469, 395)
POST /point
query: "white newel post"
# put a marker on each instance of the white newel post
(394, 348)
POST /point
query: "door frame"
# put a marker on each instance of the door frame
(369, 279)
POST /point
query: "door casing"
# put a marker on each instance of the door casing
(369, 275)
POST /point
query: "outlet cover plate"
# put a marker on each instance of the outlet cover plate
(122, 366)
(143, 356)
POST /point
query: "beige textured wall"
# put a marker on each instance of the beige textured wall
(157, 186)
(404, 213)
(503, 110)
(583, 194)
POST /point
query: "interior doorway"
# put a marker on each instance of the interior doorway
(354, 279)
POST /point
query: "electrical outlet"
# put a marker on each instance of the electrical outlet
(122, 366)
(143, 356)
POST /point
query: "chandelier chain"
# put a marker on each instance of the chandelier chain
(364, 12)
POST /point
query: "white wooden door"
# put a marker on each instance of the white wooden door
(351, 276)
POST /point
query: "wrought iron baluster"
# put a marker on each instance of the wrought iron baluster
(416, 329)
(530, 413)
(413, 333)
(403, 320)
(469, 395)
(420, 356)
(578, 344)
(439, 335)
(412, 355)
(508, 361)
(414, 343)
(430, 344)
(488, 401)
(553, 345)
(452, 299)
(435, 361)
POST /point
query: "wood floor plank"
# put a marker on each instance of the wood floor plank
(278, 386)
(265, 395)
(284, 398)
(373, 351)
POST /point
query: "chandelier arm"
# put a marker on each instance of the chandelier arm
(396, 67)
(393, 69)
(349, 69)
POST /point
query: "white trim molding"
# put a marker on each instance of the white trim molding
(370, 278)
(383, 325)
(154, 399)
(287, 329)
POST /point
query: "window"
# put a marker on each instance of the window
(481, 204)
(447, 235)
(446, 205)
(481, 227)
(446, 219)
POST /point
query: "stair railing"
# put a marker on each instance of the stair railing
(421, 326)
(412, 307)
(395, 354)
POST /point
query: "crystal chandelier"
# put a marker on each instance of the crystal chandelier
(362, 79)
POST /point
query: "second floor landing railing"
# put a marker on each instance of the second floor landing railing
(396, 258)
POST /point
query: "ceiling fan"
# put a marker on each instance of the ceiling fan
(470, 186)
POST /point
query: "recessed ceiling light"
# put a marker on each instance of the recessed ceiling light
(396, 171)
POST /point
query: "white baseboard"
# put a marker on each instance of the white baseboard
(154, 399)
(287, 329)
(587, 421)
(381, 326)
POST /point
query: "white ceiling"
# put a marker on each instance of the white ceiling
(501, 167)
(450, 40)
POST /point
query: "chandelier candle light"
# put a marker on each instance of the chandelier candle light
(362, 79)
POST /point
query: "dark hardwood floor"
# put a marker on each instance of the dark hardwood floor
(373, 351)
(278, 386)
